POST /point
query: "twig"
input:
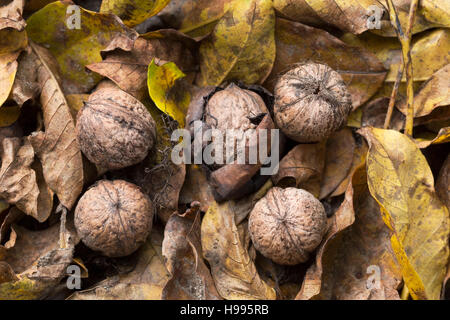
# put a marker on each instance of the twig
(390, 110)
(405, 41)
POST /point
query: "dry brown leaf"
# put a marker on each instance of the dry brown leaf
(374, 115)
(129, 69)
(11, 14)
(145, 282)
(302, 168)
(434, 93)
(190, 277)
(338, 161)
(57, 147)
(233, 271)
(443, 183)
(356, 247)
(41, 257)
(297, 43)
(21, 181)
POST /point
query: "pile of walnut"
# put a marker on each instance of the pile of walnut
(116, 131)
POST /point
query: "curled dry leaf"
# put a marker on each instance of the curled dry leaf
(434, 93)
(190, 277)
(194, 17)
(133, 12)
(75, 49)
(233, 271)
(443, 136)
(297, 43)
(401, 181)
(57, 147)
(338, 161)
(355, 261)
(40, 260)
(21, 181)
(11, 15)
(242, 45)
(129, 69)
(302, 168)
(145, 282)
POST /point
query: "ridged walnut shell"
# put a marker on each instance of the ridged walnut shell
(233, 108)
(287, 225)
(311, 102)
(114, 218)
(114, 129)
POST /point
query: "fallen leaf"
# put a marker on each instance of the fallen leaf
(428, 52)
(145, 282)
(374, 115)
(242, 45)
(42, 258)
(355, 261)
(74, 49)
(19, 182)
(347, 15)
(401, 181)
(190, 277)
(168, 90)
(194, 17)
(434, 93)
(338, 161)
(11, 14)
(443, 183)
(133, 12)
(443, 136)
(57, 147)
(129, 69)
(233, 271)
(12, 42)
(302, 168)
(298, 43)
(76, 102)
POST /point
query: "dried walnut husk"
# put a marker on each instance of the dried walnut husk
(234, 109)
(311, 102)
(114, 129)
(287, 225)
(114, 217)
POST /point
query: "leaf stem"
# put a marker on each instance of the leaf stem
(405, 41)
(390, 110)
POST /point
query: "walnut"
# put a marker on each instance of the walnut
(114, 129)
(114, 217)
(286, 225)
(234, 108)
(311, 102)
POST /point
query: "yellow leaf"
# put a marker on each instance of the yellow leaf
(429, 52)
(9, 115)
(54, 27)
(443, 136)
(242, 46)
(133, 12)
(401, 181)
(168, 91)
(233, 271)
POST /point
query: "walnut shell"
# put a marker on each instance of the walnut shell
(286, 225)
(233, 108)
(311, 102)
(114, 217)
(114, 129)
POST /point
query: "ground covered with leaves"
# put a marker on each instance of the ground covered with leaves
(383, 179)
